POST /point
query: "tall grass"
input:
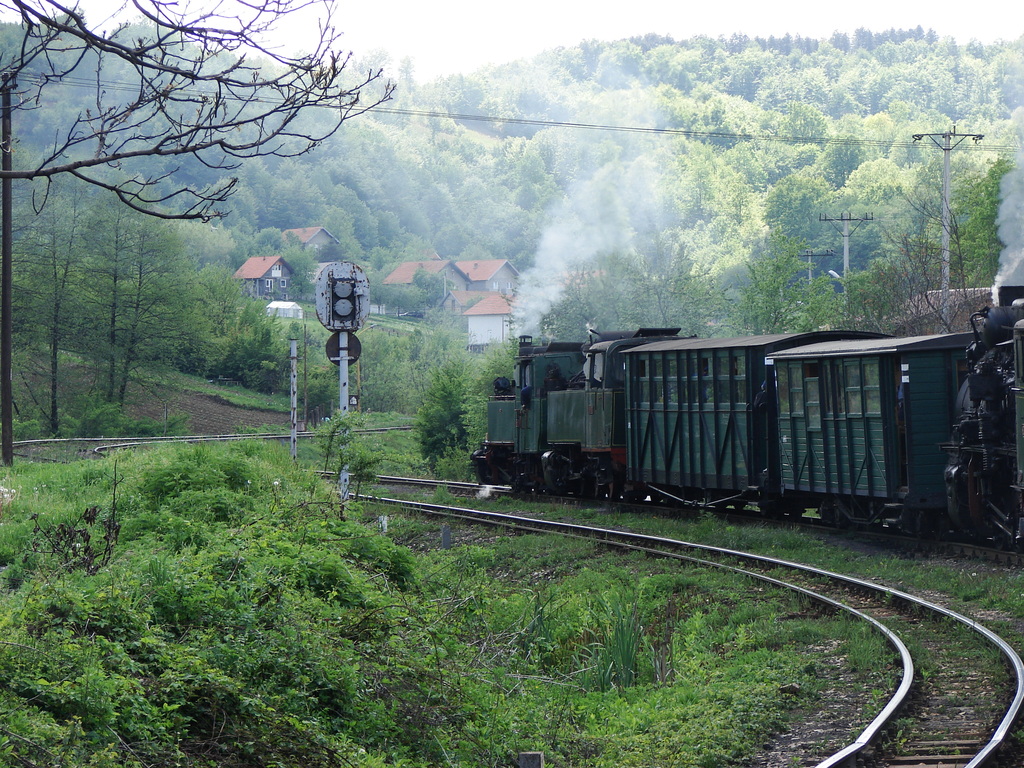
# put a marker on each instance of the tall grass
(610, 659)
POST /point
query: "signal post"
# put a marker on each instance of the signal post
(342, 305)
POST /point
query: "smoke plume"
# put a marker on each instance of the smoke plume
(1011, 216)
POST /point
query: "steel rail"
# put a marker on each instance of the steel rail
(130, 442)
(846, 756)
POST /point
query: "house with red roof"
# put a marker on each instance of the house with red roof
(265, 276)
(404, 273)
(460, 301)
(489, 320)
(496, 275)
(313, 238)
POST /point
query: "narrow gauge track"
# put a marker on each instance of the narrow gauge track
(462, 489)
(945, 547)
(102, 445)
(961, 715)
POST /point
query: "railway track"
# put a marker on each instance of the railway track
(102, 445)
(938, 547)
(952, 709)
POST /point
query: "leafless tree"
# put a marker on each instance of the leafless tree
(193, 78)
(183, 79)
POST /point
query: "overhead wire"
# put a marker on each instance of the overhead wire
(662, 131)
(721, 135)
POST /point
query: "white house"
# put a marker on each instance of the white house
(489, 320)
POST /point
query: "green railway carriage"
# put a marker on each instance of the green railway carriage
(862, 424)
(701, 415)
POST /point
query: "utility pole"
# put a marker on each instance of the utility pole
(846, 219)
(6, 271)
(808, 255)
(947, 142)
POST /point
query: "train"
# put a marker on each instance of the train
(921, 434)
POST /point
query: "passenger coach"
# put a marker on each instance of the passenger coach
(702, 417)
(862, 426)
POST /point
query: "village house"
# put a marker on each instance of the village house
(404, 273)
(489, 321)
(460, 301)
(496, 275)
(311, 238)
(265, 276)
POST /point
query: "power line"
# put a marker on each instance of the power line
(839, 141)
(845, 141)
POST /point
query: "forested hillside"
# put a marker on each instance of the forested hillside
(637, 182)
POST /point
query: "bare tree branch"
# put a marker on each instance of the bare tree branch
(181, 80)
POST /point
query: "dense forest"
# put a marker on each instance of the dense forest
(698, 183)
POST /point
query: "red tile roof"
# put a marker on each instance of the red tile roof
(258, 266)
(494, 304)
(306, 233)
(483, 269)
(403, 273)
(462, 298)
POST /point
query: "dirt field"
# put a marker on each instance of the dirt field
(210, 414)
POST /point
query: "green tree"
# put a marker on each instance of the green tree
(975, 206)
(793, 208)
(778, 299)
(442, 422)
(48, 290)
(138, 295)
(253, 352)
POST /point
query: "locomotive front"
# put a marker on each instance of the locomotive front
(983, 475)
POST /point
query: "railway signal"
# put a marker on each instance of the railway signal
(342, 296)
(342, 305)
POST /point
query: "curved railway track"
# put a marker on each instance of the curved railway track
(102, 445)
(945, 547)
(958, 713)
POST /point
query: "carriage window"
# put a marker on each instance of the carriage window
(525, 375)
(813, 405)
(782, 387)
(1018, 343)
(796, 398)
(872, 390)
(691, 381)
(707, 382)
(853, 388)
(723, 380)
(832, 390)
(594, 368)
(739, 367)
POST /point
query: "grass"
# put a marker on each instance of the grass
(236, 587)
(663, 654)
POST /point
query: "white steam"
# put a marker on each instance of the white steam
(1011, 217)
(600, 215)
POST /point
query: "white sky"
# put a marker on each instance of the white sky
(449, 36)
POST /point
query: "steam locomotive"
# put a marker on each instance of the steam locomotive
(918, 433)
